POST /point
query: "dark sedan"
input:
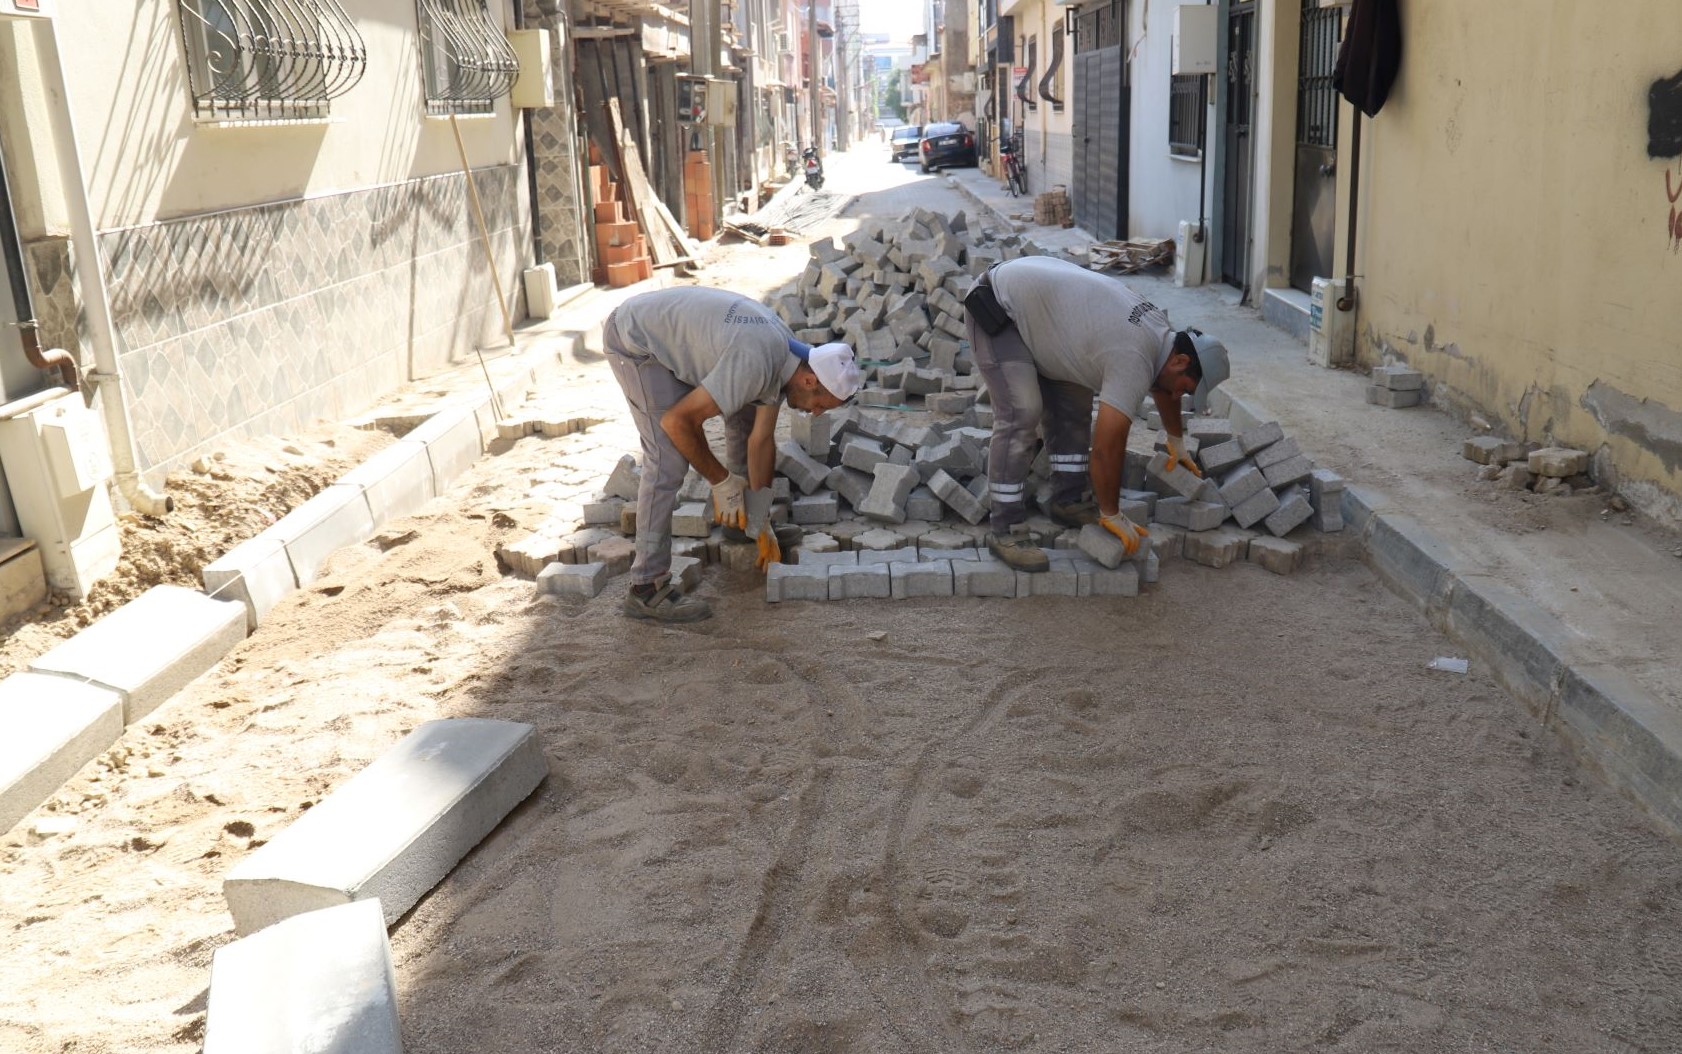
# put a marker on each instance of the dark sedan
(945, 146)
(903, 141)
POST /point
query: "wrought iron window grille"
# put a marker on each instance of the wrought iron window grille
(1187, 110)
(466, 61)
(269, 59)
(1051, 85)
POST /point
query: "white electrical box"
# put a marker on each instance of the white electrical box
(78, 458)
(534, 88)
(1188, 254)
(721, 103)
(1197, 39)
(57, 464)
(1331, 340)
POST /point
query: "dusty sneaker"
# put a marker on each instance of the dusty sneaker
(1019, 552)
(665, 604)
(1074, 514)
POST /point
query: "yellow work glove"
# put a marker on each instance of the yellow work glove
(729, 508)
(1178, 456)
(769, 551)
(1130, 533)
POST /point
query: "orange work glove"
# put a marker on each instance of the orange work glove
(769, 551)
(1130, 533)
(1176, 456)
(729, 506)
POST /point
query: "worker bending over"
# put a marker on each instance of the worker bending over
(1046, 335)
(682, 356)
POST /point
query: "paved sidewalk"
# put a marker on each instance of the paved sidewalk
(1595, 593)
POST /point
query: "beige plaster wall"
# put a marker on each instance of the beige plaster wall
(147, 159)
(1515, 235)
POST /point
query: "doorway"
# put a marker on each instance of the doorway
(1101, 111)
(1239, 145)
(1314, 199)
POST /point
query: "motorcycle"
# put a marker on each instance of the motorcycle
(814, 168)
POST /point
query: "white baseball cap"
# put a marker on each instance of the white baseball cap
(1211, 355)
(836, 368)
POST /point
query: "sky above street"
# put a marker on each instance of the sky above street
(900, 19)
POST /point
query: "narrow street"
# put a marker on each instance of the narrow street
(1235, 813)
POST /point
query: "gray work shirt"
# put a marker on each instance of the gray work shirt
(724, 342)
(1086, 329)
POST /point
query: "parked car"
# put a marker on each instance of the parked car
(903, 142)
(945, 145)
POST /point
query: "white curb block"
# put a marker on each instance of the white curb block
(396, 828)
(54, 726)
(151, 647)
(320, 982)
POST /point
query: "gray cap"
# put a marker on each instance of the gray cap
(1211, 355)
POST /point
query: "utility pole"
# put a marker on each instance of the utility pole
(816, 79)
(843, 104)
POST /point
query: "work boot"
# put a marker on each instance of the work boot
(1074, 514)
(664, 603)
(1018, 551)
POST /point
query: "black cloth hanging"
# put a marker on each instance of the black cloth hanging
(1370, 56)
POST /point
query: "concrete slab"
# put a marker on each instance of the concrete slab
(320, 982)
(573, 580)
(453, 442)
(151, 647)
(397, 482)
(257, 573)
(54, 726)
(321, 526)
(396, 828)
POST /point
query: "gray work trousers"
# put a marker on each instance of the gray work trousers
(650, 390)
(1024, 403)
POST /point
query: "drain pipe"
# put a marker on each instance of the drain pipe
(96, 295)
(1346, 302)
(11, 246)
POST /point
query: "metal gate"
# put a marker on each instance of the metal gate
(1236, 188)
(1314, 207)
(1101, 112)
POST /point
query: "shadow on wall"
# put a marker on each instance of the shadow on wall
(158, 152)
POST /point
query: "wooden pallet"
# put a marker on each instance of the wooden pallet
(1135, 254)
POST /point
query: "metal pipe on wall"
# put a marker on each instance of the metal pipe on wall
(96, 295)
(1346, 302)
(23, 305)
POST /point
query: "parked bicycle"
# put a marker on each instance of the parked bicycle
(1016, 165)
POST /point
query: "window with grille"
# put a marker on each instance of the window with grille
(1186, 111)
(466, 62)
(269, 59)
(1100, 26)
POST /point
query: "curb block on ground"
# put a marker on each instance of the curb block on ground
(151, 647)
(321, 981)
(54, 726)
(395, 829)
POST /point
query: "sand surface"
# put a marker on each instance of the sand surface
(1236, 814)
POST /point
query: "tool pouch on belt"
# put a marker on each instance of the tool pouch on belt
(984, 307)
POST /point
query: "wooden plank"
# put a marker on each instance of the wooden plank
(645, 204)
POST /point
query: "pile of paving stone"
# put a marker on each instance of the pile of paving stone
(895, 294)
(890, 495)
(1556, 471)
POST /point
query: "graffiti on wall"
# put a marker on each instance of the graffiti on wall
(1664, 140)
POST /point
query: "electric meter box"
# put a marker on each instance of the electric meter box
(57, 465)
(1196, 39)
(534, 88)
(721, 103)
(691, 99)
